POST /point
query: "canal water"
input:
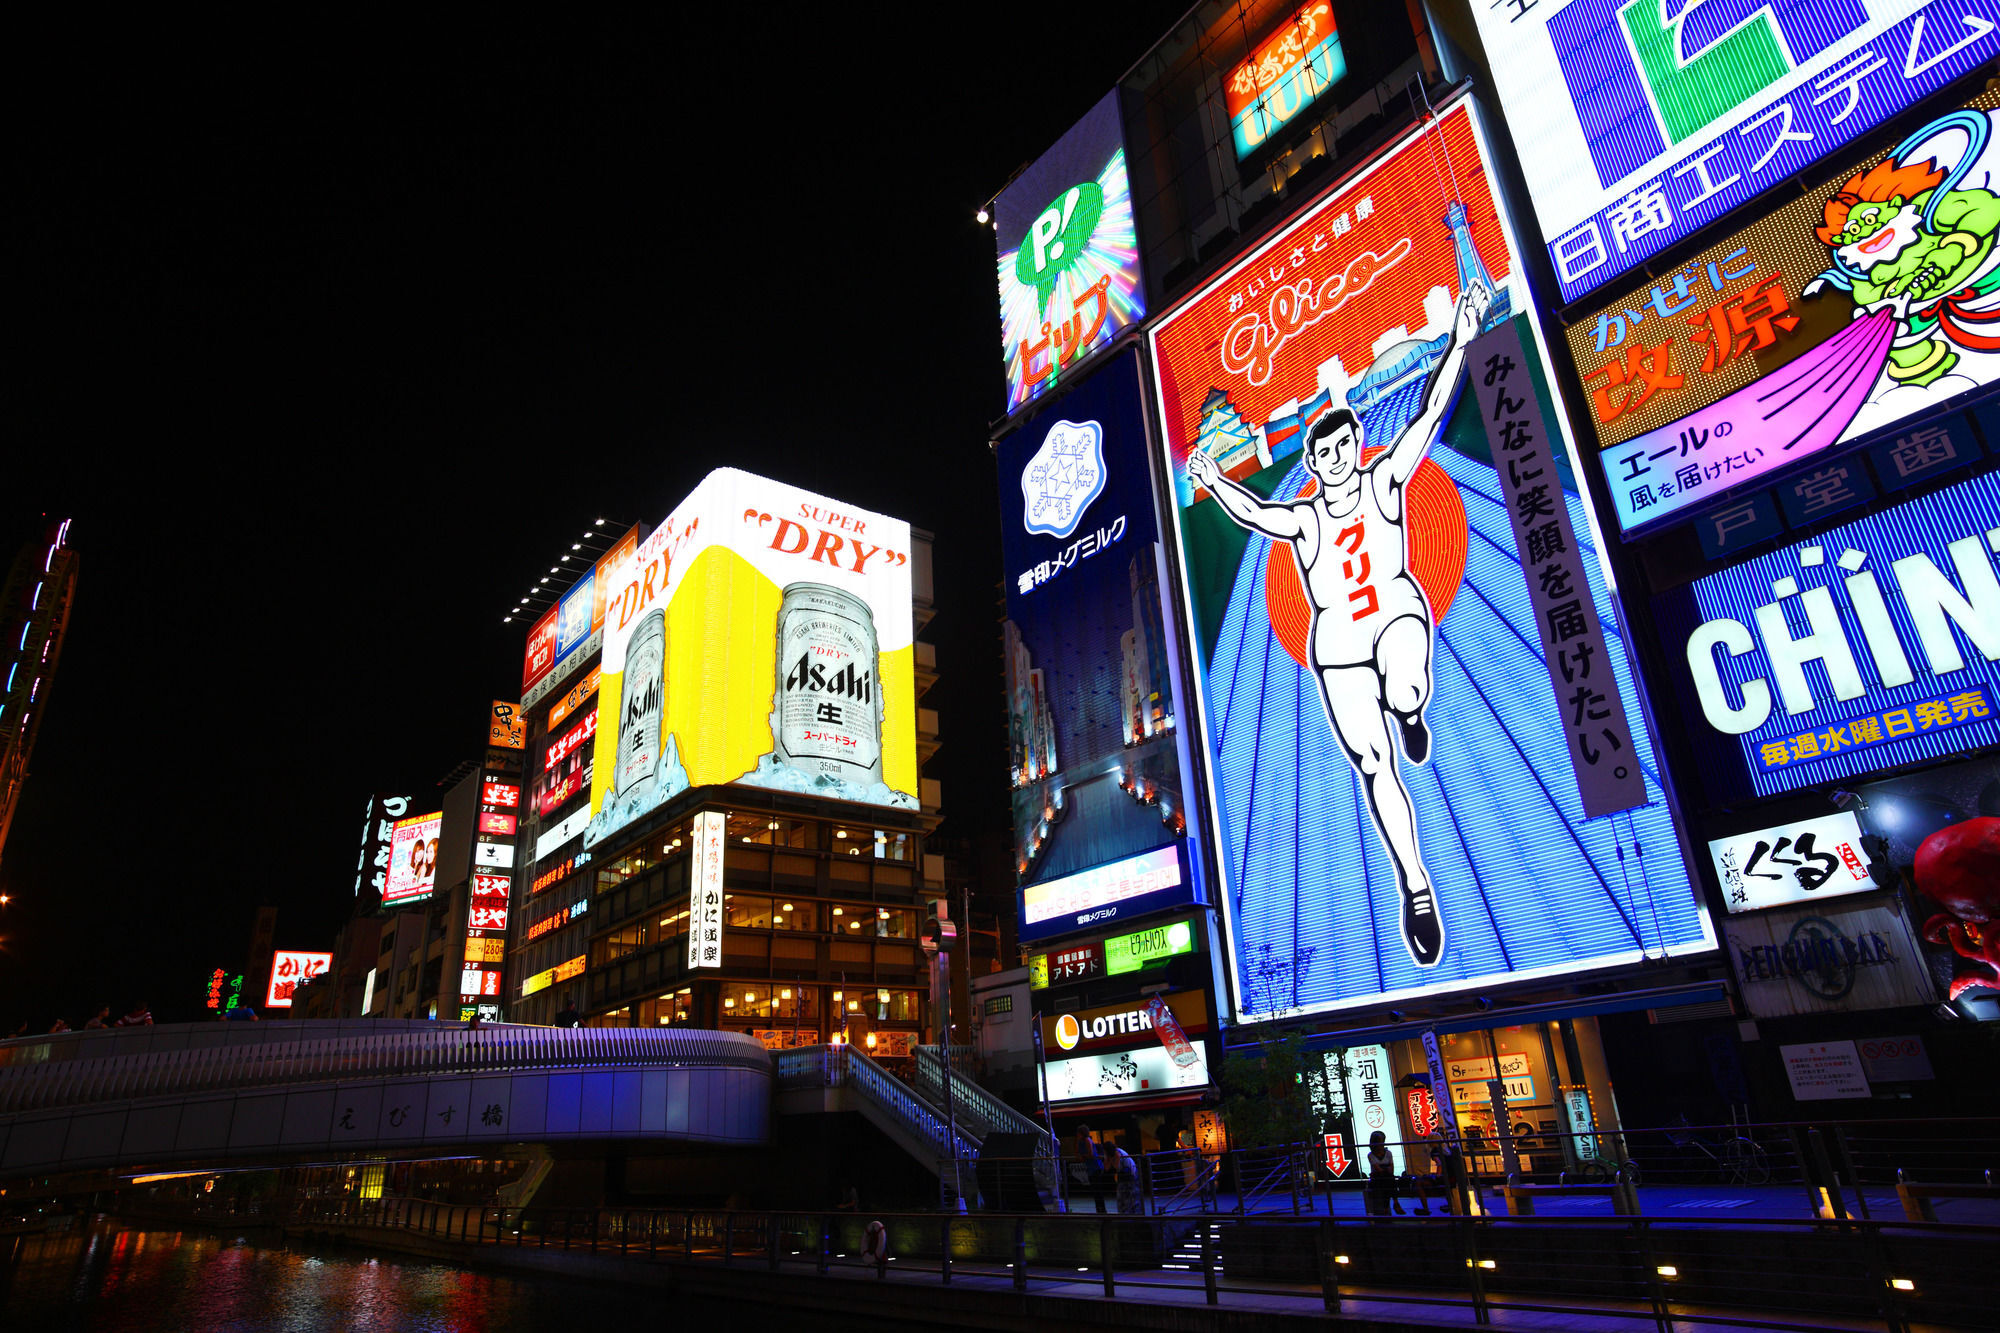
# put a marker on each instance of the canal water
(110, 1278)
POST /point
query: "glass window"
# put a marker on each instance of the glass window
(794, 914)
(670, 1010)
(674, 923)
(852, 918)
(893, 846)
(896, 923)
(746, 911)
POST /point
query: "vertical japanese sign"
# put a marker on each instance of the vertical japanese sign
(1872, 297)
(1587, 694)
(507, 729)
(1441, 1107)
(1395, 815)
(1640, 121)
(711, 834)
(377, 829)
(1069, 255)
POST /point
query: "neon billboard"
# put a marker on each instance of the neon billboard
(1283, 76)
(1413, 678)
(1639, 122)
(1069, 255)
(1874, 296)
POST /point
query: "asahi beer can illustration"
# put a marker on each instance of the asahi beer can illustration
(828, 711)
(643, 690)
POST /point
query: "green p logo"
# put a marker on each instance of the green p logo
(1056, 238)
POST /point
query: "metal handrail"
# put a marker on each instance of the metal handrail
(842, 1065)
(166, 1064)
(986, 1113)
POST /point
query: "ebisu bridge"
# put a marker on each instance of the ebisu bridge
(223, 1094)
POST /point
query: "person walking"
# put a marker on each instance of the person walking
(140, 1017)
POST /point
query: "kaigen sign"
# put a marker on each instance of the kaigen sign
(1869, 646)
(413, 852)
(761, 636)
(1069, 255)
(1870, 298)
(1806, 860)
(1640, 121)
(289, 967)
(1410, 661)
(1095, 750)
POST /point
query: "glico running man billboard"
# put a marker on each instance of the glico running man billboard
(1871, 297)
(1428, 769)
(1069, 255)
(1870, 646)
(1093, 737)
(761, 635)
(1641, 121)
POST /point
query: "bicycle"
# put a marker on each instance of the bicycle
(1738, 1158)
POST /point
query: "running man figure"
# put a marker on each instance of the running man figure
(1372, 630)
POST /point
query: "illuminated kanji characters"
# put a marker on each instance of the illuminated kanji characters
(1643, 210)
(1631, 382)
(1746, 323)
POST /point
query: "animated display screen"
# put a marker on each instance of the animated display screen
(572, 629)
(1400, 799)
(1641, 121)
(1094, 746)
(1069, 255)
(1867, 647)
(1283, 76)
(761, 635)
(413, 854)
(1872, 297)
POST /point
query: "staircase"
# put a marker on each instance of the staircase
(980, 1113)
(839, 1078)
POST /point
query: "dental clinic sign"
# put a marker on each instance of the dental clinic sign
(1641, 121)
(1870, 646)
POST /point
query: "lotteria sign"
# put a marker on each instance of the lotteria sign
(1868, 647)
(1640, 121)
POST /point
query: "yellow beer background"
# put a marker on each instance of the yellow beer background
(721, 674)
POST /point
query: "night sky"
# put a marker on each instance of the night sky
(331, 342)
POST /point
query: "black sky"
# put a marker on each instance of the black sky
(331, 340)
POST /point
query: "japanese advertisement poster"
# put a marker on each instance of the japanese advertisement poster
(1872, 297)
(1640, 121)
(1069, 255)
(1399, 812)
(1093, 723)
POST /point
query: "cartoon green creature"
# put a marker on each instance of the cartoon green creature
(1904, 238)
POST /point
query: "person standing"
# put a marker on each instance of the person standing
(140, 1017)
(102, 1019)
(1381, 1176)
(1089, 1166)
(1126, 1173)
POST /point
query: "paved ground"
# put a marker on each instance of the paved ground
(1677, 1202)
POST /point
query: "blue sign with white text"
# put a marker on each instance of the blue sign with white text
(1678, 111)
(1871, 645)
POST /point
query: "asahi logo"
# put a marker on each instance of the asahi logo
(846, 683)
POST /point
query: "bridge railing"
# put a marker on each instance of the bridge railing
(1640, 1270)
(843, 1066)
(77, 1069)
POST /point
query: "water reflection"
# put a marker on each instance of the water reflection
(112, 1279)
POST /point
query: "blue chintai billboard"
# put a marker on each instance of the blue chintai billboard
(1868, 647)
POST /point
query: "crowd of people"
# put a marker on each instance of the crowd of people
(140, 1015)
